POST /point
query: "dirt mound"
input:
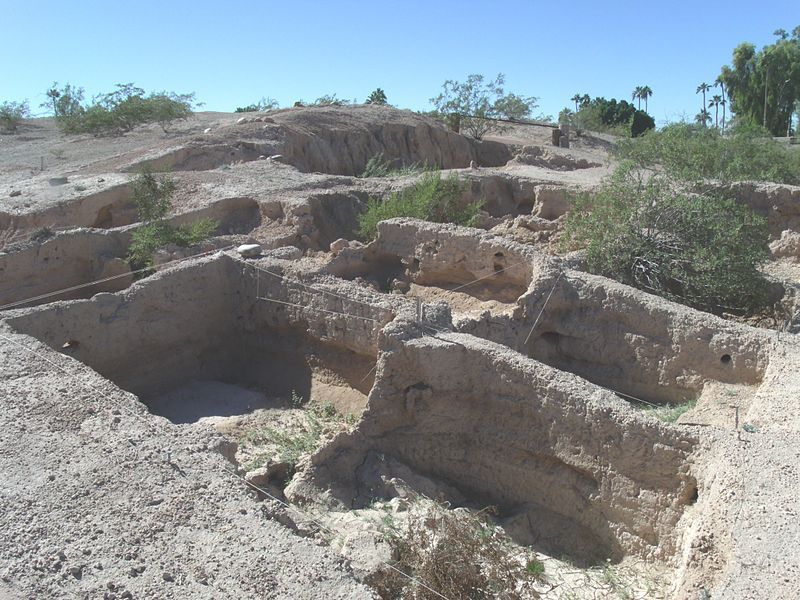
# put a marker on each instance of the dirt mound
(335, 140)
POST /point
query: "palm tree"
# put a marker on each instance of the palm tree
(703, 117)
(703, 87)
(715, 101)
(645, 94)
(718, 82)
(576, 98)
(637, 95)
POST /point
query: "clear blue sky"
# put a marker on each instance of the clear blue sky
(233, 53)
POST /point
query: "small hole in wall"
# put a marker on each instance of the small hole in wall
(725, 359)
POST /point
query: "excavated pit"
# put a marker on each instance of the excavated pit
(488, 374)
(194, 342)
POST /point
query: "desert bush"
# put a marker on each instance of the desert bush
(261, 105)
(473, 106)
(670, 413)
(432, 198)
(153, 197)
(117, 112)
(460, 555)
(693, 152)
(11, 115)
(329, 100)
(380, 166)
(701, 250)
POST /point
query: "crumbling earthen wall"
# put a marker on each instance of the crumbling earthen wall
(68, 259)
(110, 207)
(572, 469)
(609, 333)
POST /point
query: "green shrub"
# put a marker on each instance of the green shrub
(702, 250)
(693, 152)
(609, 116)
(67, 106)
(117, 112)
(431, 199)
(262, 105)
(379, 166)
(474, 105)
(11, 114)
(329, 100)
(153, 197)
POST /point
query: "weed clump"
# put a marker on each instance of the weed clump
(380, 166)
(670, 414)
(290, 446)
(432, 198)
(702, 250)
(459, 555)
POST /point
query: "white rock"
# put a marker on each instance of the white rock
(249, 250)
(339, 245)
(207, 130)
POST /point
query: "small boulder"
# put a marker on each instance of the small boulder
(787, 246)
(54, 181)
(249, 250)
(339, 245)
(15, 193)
(286, 253)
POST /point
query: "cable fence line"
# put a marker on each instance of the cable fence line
(307, 286)
(490, 275)
(305, 307)
(541, 312)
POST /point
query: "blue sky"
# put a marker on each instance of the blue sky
(232, 54)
